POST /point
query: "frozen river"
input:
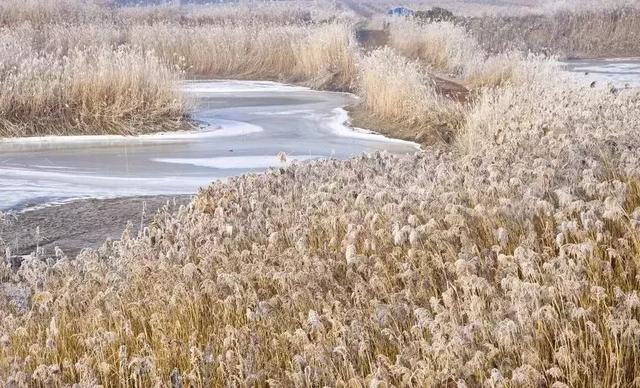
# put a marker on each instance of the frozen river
(245, 125)
(622, 72)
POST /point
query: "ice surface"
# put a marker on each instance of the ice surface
(239, 162)
(245, 125)
(620, 73)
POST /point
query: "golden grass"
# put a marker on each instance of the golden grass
(219, 51)
(448, 49)
(87, 92)
(213, 42)
(397, 90)
(321, 56)
(58, 55)
(326, 58)
(444, 46)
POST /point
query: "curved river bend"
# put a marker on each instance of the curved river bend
(245, 125)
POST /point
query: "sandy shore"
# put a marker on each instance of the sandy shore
(80, 224)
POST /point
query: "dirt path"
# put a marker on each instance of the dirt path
(79, 224)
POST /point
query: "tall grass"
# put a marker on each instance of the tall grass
(444, 46)
(449, 49)
(608, 32)
(326, 57)
(397, 90)
(219, 51)
(87, 92)
(45, 45)
(321, 56)
(257, 13)
(213, 42)
(37, 12)
(509, 259)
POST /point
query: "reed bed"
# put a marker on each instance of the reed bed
(444, 46)
(609, 32)
(450, 50)
(511, 260)
(290, 12)
(398, 90)
(321, 56)
(37, 12)
(210, 42)
(44, 45)
(555, 28)
(94, 91)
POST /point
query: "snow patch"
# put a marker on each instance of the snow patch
(239, 162)
(338, 125)
(216, 128)
(230, 86)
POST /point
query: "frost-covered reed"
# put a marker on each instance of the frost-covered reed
(322, 56)
(398, 90)
(91, 91)
(37, 12)
(576, 30)
(450, 50)
(444, 46)
(76, 67)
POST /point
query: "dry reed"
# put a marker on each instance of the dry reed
(87, 92)
(321, 56)
(397, 90)
(44, 45)
(444, 46)
(568, 33)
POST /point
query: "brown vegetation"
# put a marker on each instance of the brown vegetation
(578, 28)
(87, 92)
(397, 91)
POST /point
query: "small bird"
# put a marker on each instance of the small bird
(593, 84)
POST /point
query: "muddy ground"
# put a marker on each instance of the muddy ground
(80, 224)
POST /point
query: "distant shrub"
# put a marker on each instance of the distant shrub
(435, 14)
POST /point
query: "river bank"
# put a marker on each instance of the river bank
(245, 125)
(81, 224)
